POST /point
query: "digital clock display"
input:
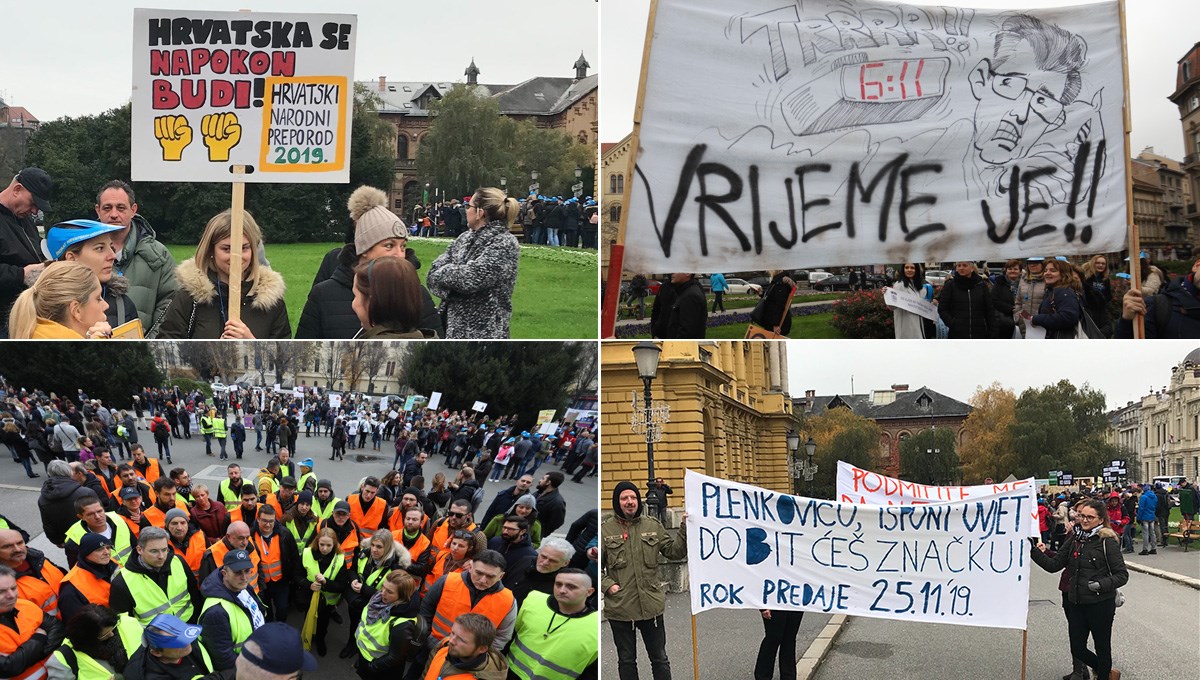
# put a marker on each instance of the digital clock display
(895, 80)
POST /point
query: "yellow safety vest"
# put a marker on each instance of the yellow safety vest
(206, 425)
(122, 537)
(88, 668)
(240, 626)
(551, 646)
(149, 600)
(312, 568)
(228, 496)
(373, 639)
(218, 427)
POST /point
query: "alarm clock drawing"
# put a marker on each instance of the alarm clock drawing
(870, 92)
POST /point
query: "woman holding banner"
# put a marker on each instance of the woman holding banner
(1093, 557)
(200, 309)
(907, 325)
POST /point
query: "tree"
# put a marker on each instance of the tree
(928, 457)
(109, 371)
(375, 356)
(288, 357)
(511, 377)
(210, 358)
(354, 363)
(1060, 427)
(988, 450)
(840, 434)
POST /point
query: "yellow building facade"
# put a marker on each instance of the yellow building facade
(729, 418)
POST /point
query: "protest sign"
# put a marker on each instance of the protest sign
(851, 132)
(964, 562)
(479, 406)
(335, 400)
(856, 485)
(268, 91)
(545, 416)
(435, 400)
(909, 302)
(548, 428)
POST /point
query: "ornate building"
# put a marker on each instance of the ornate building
(729, 418)
(900, 412)
(1187, 98)
(1169, 423)
(614, 163)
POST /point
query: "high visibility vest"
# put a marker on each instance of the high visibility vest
(273, 486)
(153, 471)
(130, 633)
(218, 428)
(312, 568)
(194, 553)
(206, 425)
(109, 487)
(368, 522)
(135, 527)
(42, 591)
(149, 600)
(309, 531)
(303, 481)
(235, 515)
(349, 544)
(288, 469)
(95, 589)
(456, 599)
(396, 520)
(556, 652)
(219, 549)
(435, 668)
(122, 536)
(374, 639)
(376, 577)
(240, 625)
(438, 569)
(418, 548)
(158, 517)
(441, 536)
(230, 497)
(272, 557)
(116, 494)
(29, 619)
(324, 511)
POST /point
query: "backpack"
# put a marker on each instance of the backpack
(52, 441)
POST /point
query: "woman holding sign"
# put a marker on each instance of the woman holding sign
(1092, 555)
(200, 309)
(907, 325)
(476, 275)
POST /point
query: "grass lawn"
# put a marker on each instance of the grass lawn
(812, 326)
(557, 291)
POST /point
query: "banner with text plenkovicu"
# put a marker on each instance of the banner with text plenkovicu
(269, 91)
(853, 132)
(856, 485)
(963, 562)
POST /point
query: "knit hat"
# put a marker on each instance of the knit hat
(90, 543)
(324, 484)
(172, 514)
(373, 222)
(527, 500)
(305, 497)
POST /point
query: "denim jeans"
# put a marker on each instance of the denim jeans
(654, 635)
(551, 237)
(1149, 535)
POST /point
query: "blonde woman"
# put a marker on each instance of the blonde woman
(200, 309)
(65, 303)
(476, 275)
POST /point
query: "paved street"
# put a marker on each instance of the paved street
(19, 498)
(1154, 637)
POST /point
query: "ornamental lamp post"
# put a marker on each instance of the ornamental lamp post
(793, 445)
(646, 354)
(504, 184)
(810, 447)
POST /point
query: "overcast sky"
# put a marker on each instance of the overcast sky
(1123, 370)
(1160, 32)
(73, 57)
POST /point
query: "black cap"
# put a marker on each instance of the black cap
(282, 652)
(288, 482)
(38, 183)
(341, 506)
(128, 492)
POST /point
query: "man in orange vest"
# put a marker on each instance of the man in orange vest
(417, 543)
(38, 578)
(248, 511)
(345, 530)
(237, 537)
(28, 635)
(479, 589)
(147, 468)
(89, 581)
(459, 518)
(165, 499)
(131, 510)
(186, 540)
(128, 477)
(277, 549)
(367, 509)
(468, 652)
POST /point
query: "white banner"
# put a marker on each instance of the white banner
(335, 401)
(273, 92)
(548, 428)
(895, 297)
(853, 132)
(435, 400)
(856, 485)
(479, 406)
(964, 562)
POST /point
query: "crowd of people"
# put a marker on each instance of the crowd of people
(169, 578)
(544, 220)
(112, 277)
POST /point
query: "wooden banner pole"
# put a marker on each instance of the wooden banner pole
(1024, 649)
(616, 256)
(237, 213)
(1135, 268)
(695, 652)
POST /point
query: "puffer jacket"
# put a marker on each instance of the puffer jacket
(121, 308)
(629, 558)
(1183, 320)
(56, 504)
(264, 312)
(475, 278)
(1096, 557)
(327, 314)
(965, 306)
(150, 271)
(1059, 312)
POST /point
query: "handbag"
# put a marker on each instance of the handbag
(756, 332)
(1118, 596)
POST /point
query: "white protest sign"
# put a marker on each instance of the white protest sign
(856, 485)
(852, 132)
(895, 297)
(270, 91)
(479, 406)
(548, 428)
(335, 400)
(435, 400)
(964, 562)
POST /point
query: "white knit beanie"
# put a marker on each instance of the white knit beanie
(373, 222)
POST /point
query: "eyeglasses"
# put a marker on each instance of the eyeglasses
(1014, 87)
(457, 515)
(1087, 517)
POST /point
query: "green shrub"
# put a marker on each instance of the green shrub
(863, 315)
(187, 386)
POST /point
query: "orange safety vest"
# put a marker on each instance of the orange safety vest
(349, 545)
(116, 494)
(396, 521)
(135, 527)
(418, 548)
(235, 515)
(43, 593)
(439, 568)
(272, 554)
(158, 517)
(456, 599)
(108, 488)
(435, 668)
(153, 471)
(219, 549)
(441, 536)
(29, 619)
(195, 551)
(369, 521)
(96, 590)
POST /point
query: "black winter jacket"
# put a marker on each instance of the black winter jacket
(217, 635)
(1183, 320)
(1099, 559)
(680, 314)
(1059, 312)
(1003, 299)
(19, 241)
(965, 306)
(56, 504)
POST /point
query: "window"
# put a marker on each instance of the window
(616, 184)
(1186, 70)
(582, 137)
(391, 369)
(245, 362)
(614, 213)
(402, 147)
(317, 365)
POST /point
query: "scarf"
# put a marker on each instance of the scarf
(377, 608)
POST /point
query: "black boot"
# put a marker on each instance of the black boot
(1079, 671)
(320, 645)
(349, 650)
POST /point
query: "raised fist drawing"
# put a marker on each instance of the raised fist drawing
(173, 134)
(221, 133)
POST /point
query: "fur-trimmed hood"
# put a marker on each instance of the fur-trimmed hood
(268, 289)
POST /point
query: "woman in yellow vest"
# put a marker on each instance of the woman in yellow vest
(376, 559)
(89, 580)
(99, 645)
(388, 629)
(325, 572)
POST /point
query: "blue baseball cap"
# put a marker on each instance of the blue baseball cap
(281, 651)
(170, 632)
(66, 234)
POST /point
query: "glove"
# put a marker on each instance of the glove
(1094, 586)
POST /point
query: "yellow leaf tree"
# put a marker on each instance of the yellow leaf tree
(988, 450)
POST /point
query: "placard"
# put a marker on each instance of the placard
(479, 406)
(548, 428)
(435, 400)
(858, 132)
(273, 92)
(909, 302)
(545, 416)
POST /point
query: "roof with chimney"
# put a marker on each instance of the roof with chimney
(17, 116)
(894, 404)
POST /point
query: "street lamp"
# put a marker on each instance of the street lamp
(793, 444)
(504, 184)
(533, 175)
(646, 355)
(578, 172)
(810, 471)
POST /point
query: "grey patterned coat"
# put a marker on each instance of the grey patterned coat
(474, 279)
